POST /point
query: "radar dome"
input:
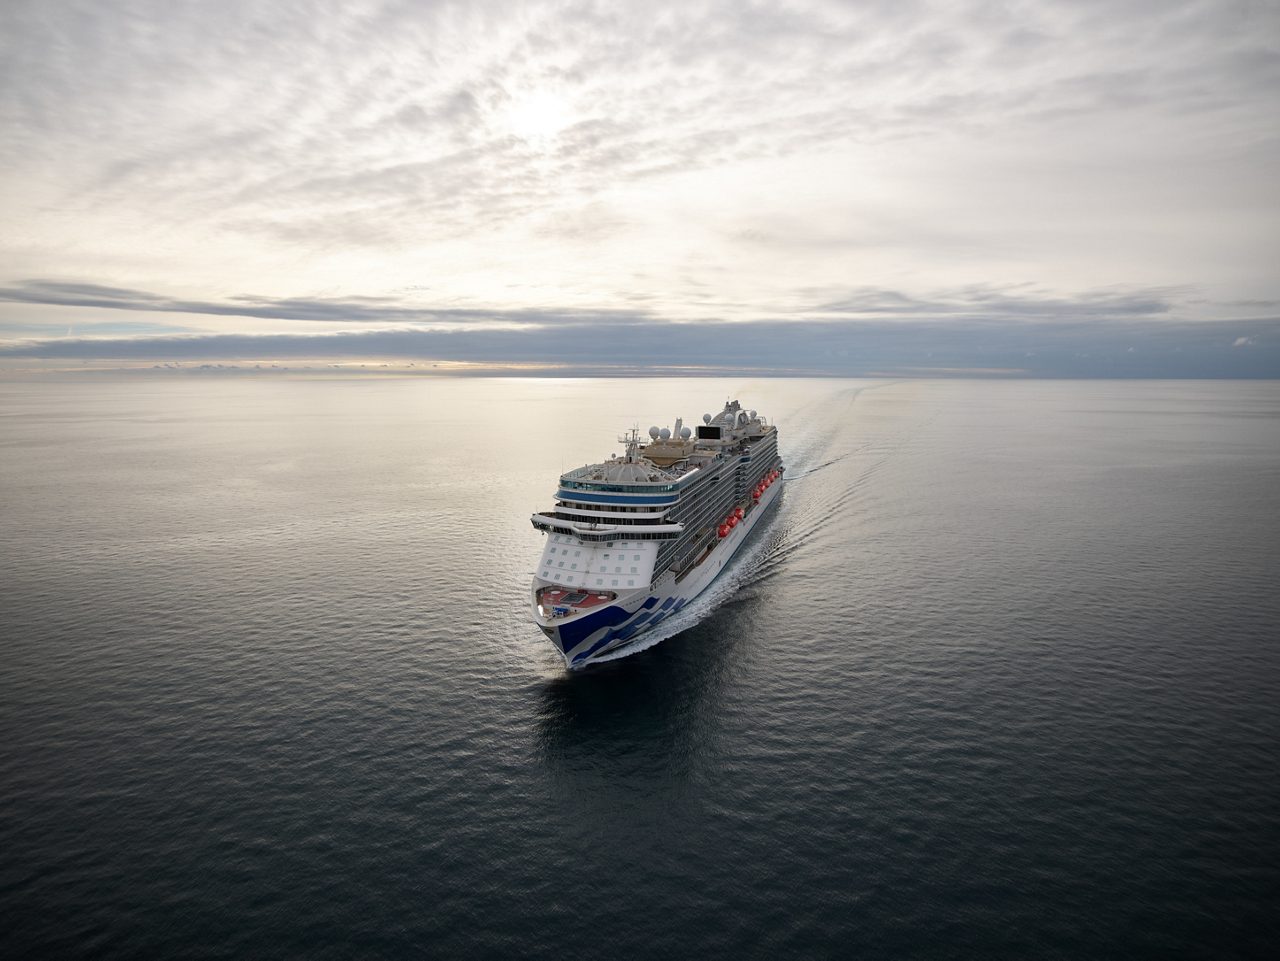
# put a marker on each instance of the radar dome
(706, 418)
(753, 415)
(653, 433)
(665, 434)
(685, 433)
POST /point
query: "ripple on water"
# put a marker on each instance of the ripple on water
(997, 679)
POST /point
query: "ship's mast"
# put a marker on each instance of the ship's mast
(631, 441)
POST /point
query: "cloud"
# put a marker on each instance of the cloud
(519, 155)
(974, 302)
(1070, 348)
(988, 300)
(294, 113)
(382, 310)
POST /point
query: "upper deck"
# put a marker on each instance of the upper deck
(671, 459)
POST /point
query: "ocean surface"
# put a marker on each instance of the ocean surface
(1000, 679)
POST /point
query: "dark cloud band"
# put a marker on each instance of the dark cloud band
(1073, 348)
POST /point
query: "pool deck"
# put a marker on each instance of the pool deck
(551, 597)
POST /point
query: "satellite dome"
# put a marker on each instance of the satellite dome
(665, 434)
(685, 433)
(753, 415)
(706, 418)
(653, 433)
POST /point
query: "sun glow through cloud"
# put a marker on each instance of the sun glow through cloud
(538, 115)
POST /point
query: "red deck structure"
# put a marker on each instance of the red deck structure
(577, 600)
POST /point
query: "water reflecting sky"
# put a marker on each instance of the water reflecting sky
(999, 678)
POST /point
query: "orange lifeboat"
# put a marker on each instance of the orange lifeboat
(723, 531)
(733, 520)
(738, 512)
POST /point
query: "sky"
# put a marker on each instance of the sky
(1078, 189)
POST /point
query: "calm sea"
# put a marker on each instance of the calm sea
(1001, 679)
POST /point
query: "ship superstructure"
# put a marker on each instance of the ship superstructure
(631, 540)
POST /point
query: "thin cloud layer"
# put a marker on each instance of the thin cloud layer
(863, 302)
(356, 310)
(1064, 348)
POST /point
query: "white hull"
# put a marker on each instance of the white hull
(587, 637)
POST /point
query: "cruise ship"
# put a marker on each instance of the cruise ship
(634, 539)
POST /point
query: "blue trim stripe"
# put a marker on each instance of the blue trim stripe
(565, 495)
(595, 647)
(575, 632)
(622, 626)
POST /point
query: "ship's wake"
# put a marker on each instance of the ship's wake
(740, 573)
(762, 553)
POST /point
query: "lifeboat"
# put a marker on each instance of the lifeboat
(723, 531)
(733, 521)
(738, 512)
